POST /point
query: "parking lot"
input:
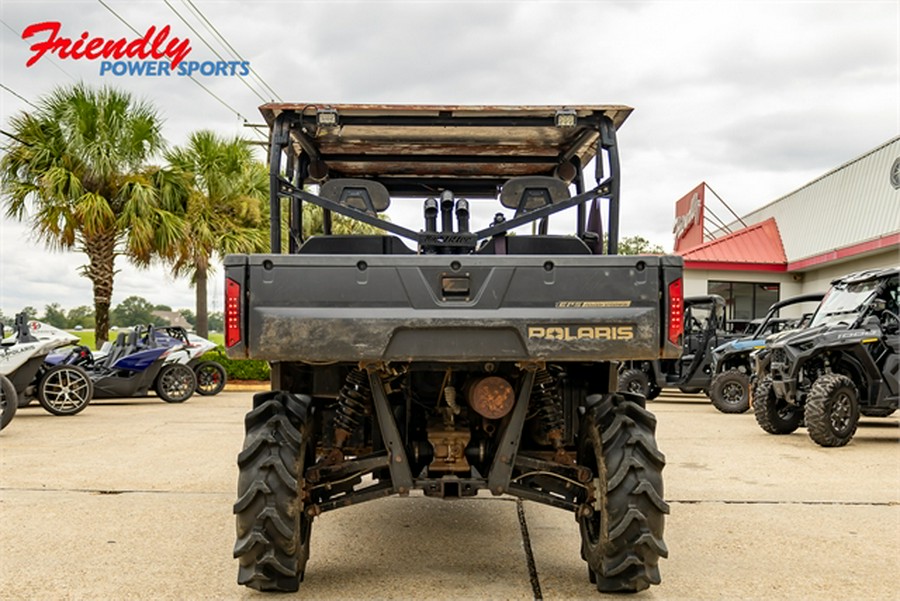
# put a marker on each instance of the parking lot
(132, 499)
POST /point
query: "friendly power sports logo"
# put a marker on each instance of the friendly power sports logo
(154, 54)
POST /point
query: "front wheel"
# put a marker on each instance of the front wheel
(65, 390)
(729, 391)
(832, 410)
(273, 527)
(175, 383)
(8, 401)
(774, 415)
(623, 515)
(211, 378)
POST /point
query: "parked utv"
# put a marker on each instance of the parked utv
(704, 330)
(451, 358)
(729, 389)
(845, 364)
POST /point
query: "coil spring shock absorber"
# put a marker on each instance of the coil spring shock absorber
(353, 401)
(548, 410)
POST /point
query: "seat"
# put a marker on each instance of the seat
(116, 352)
(355, 245)
(536, 245)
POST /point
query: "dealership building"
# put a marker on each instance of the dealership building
(847, 220)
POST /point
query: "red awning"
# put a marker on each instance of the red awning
(755, 248)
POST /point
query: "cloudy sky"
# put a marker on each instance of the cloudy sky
(755, 98)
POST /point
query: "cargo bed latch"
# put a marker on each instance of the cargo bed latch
(455, 287)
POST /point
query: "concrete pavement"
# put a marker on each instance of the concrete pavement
(132, 500)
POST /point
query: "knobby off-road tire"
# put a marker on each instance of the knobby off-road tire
(175, 383)
(832, 410)
(8, 401)
(634, 381)
(65, 390)
(273, 529)
(622, 540)
(729, 392)
(211, 378)
(774, 415)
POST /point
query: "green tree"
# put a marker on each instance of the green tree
(217, 321)
(637, 245)
(55, 316)
(134, 311)
(191, 318)
(79, 161)
(224, 210)
(81, 316)
(314, 223)
(30, 313)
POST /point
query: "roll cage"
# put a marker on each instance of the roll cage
(445, 154)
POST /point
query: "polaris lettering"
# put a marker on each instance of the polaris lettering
(569, 333)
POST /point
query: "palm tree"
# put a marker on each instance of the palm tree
(225, 207)
(79, 162)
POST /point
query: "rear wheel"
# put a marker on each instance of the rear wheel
(65, 390)
(634, 381)
(211, 378)
(622, 531)
(175, 383)
(774, 415)
(273, 528)
(832, 410)
(729, 392)
(8, 401)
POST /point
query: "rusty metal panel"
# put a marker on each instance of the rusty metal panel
(427, 141)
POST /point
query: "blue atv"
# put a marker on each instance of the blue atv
(729, 389)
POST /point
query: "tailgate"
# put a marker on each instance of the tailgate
(318, 308)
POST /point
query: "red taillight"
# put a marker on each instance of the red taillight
(676, 311)
(232, 312)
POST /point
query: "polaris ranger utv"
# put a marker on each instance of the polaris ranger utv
(449, 360)
(844, 364)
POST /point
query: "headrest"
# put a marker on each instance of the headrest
(533, 192)
(361, 194)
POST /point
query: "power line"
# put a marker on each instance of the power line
(191, 77)
(219, 56)
(14, 137)
(235, 53)
(19, 96)
(52, 60)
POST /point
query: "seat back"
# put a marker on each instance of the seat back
(363, 195)
(532, 192)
